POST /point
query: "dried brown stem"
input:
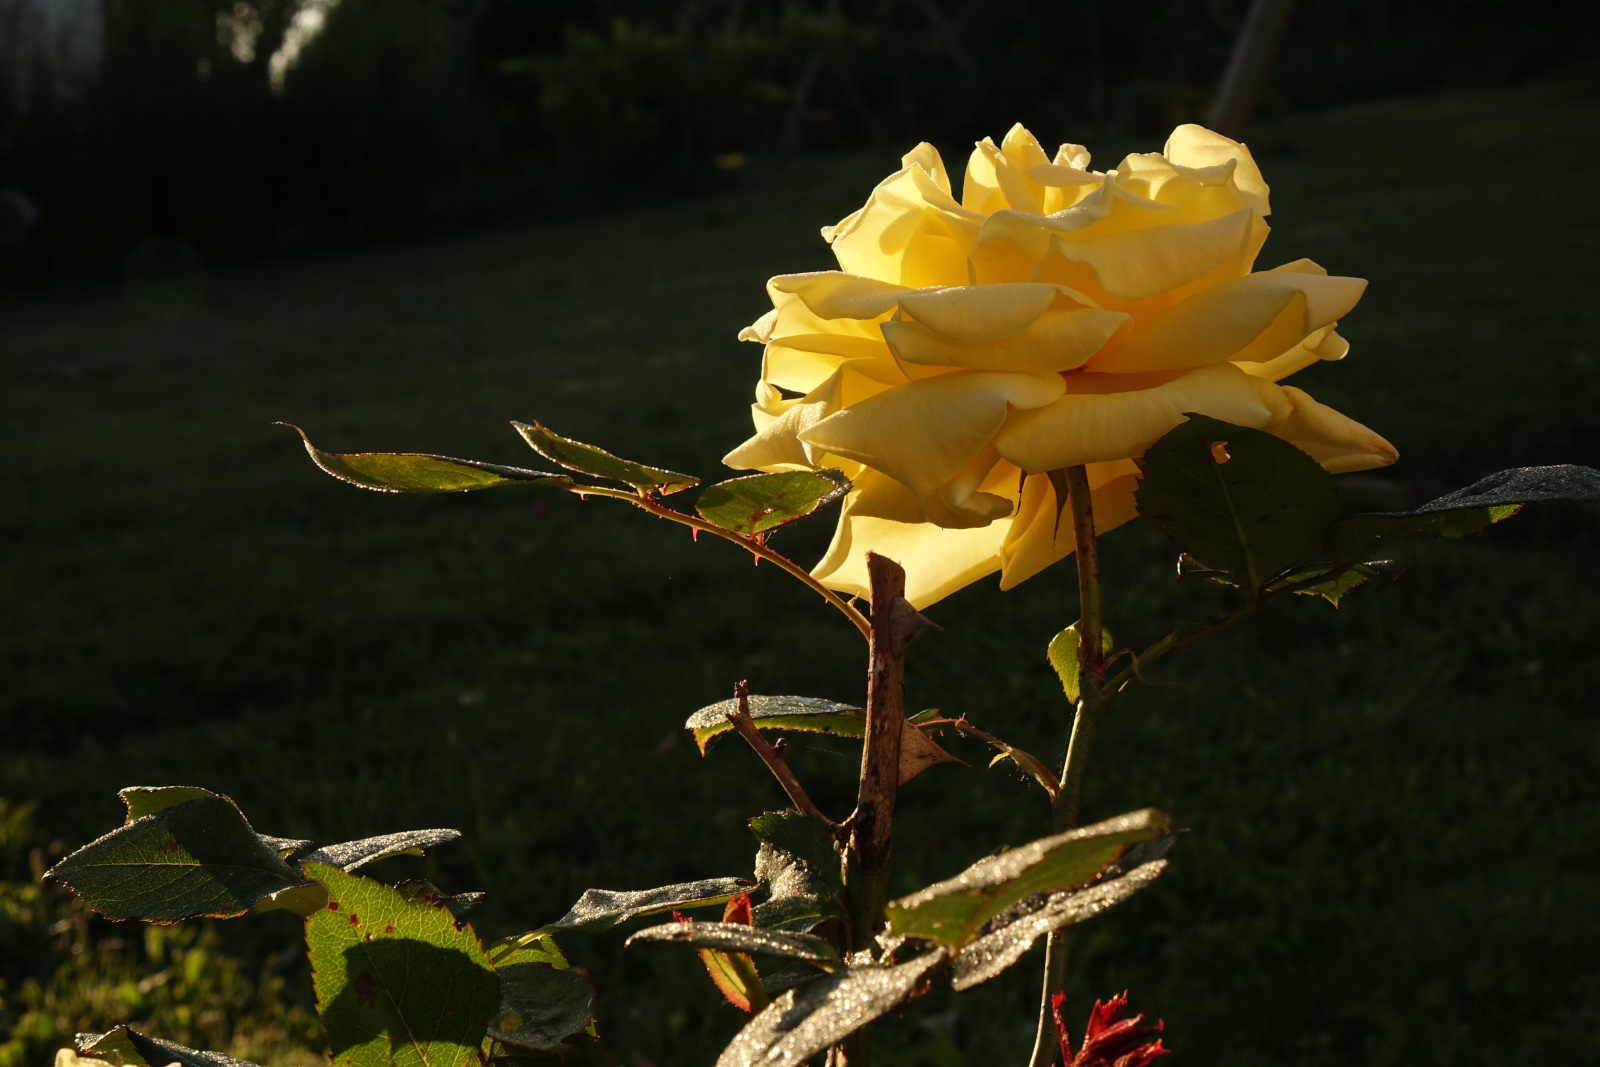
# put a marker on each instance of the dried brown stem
(742, 722)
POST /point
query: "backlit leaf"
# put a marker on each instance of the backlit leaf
(954, 911)
(199, 857)
(350, 855)
(587, 459)
(757, 503)
(601, 909)
(810, 1017)
(419, 472)
(129, 1048)
(1465, 511)
(1334, 589)
(1063, 656)
(398, 984)
(1253, 507)
(737, 937)
(804, 714)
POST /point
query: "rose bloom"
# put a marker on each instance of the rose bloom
(1053, 316)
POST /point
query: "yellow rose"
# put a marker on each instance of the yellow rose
(1053, 316)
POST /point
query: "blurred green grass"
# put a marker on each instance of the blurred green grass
(1391, 807)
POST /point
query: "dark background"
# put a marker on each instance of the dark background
(408, 116)
(454, 215)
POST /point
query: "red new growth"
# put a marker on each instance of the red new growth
(738, 911)
(1109, 1040)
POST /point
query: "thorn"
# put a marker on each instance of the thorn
(694, 533)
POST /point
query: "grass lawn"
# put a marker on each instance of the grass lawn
(1392, 807)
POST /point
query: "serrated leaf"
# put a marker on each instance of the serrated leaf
(750, 940)
(1254, 507)
(542, 1006)
(1063, 656)
(597, 462)
(129, 1048)
(601, 909)
(1334, 589)
(954, 911)
(795, 836)
(196, 858)
(142, 800)
(421, 472)
(918, 751)
(810, 1017)
(534, 947)
(349, 855)
(757, 503)
(1465, 511)
(803, 714)
(288, 847)
(398, 983)
(999, 948)
(425, 892)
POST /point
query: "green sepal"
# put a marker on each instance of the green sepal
(1466, 511)
(954, 911)
(757, 503)
(1237, 499)
(399, 983)
(421, 472)
(598, 463)
(198, 857)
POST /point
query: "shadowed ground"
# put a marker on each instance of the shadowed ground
(1392, 806)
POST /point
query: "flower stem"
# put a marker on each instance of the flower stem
(1093, 699)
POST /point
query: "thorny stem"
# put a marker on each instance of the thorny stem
(1094, 696)
(1030, 763)
(755, 545)
(742, 722)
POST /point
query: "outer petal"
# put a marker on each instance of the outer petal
(910, 232)
(1339, 443)
(1254, 318)
(1106, 417)
(1059, 339)
(1139, 264)
(1324, 344)
(928, 435)
(937, 561)
(777, 443)
(1040, 535)
(1196, 146)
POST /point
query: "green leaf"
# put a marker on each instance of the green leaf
(419, 472)
(954, 911)
(751, 940)
(601, 909)
(1334, 589)
(1465, 511)
(350, 855)
(1013, 933)
(810, 1017)
(542, 1005)
(128, 1047)
(799, 869)
(757, 503)
(1063, 656)
(1236, 498)
(424, 891)
(583, 1050)
(142, 800)
(587, 459)
(195, 858)
(398, 984)
(534, 947)
(803, 714)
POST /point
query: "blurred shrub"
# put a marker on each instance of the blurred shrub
(65, 970)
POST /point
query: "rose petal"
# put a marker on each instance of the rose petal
(1324, 344)
(926, 433)
(1106, 417)
(1059, 339)
(1254, 318)
(1196, 146)
(1336, 441)
(887, 238)
(777, 444)
(1040, 537)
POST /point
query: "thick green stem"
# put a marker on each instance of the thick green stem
(1093, 699)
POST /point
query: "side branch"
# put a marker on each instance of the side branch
(755, 545)
(742, 722)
